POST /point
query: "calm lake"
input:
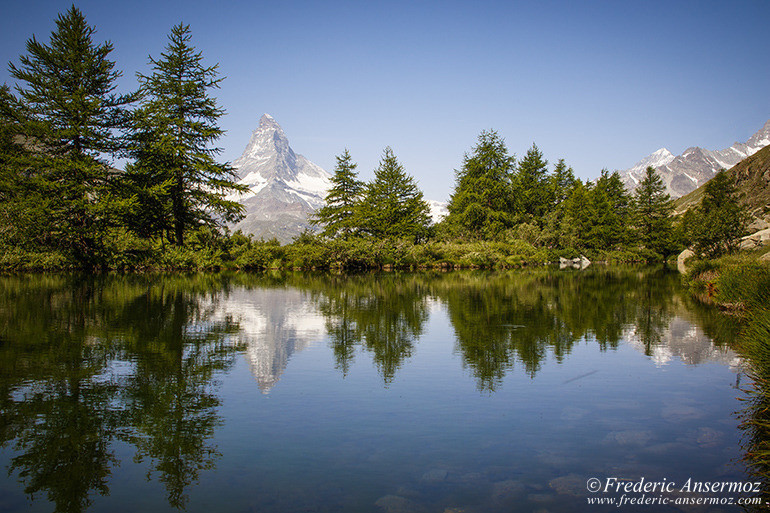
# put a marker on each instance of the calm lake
(455, 392)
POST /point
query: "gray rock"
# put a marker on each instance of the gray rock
(756, 239)
(681, 260)
(540, 497)
(507, 489)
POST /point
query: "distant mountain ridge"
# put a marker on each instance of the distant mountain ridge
(751, 177)
(284, 187)
(684, 173)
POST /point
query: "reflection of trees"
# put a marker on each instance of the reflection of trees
(66, 397)
(173, 405)
(384, 315)
(56, 392)
(88, 362)
(504, 318)
(499, 318)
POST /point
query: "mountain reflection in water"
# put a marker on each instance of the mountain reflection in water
(132, 376)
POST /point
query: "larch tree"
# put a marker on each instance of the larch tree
(719, 221)
(174, 129)
(480, 205)
(338, 215)
(71, 121)
(652, 213)
(531, 194)
(393, 205)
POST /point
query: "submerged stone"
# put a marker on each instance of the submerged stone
(397, 504)
(508, 488)
(571, 484)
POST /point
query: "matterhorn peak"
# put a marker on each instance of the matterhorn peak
(284, 187)
(268, 121)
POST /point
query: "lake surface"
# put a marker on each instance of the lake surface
(457, 392)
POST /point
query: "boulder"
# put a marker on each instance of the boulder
(681, 260)
(756, 239)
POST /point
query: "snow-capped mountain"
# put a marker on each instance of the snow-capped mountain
(686, 172)
(284, 187)
(438, 210)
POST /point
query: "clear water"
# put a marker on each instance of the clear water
(458, 392)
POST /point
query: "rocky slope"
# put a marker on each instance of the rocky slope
(684, 173)
(284, 187)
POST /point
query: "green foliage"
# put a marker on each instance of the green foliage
(338, 215)
(577, 220)
(181, 184)
(718, 222)
(62, 206)
(392, 205)
(67, 117)
(481, 204)
(533, 194)
(652, 214)
(69, 91)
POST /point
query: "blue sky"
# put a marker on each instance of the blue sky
(598, 83)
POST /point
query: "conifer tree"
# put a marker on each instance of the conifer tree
(652, 210)
(611, 211)
(531, 192)
(719, 221)
(71, 120)
(577, 221)
(481, 202)
(173, 132)
(393, 205)
(338, 213)
(562, 180)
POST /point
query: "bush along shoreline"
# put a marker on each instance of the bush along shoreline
(739, 285)
(207, 250)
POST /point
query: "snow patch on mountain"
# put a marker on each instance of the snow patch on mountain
(695, 166)
(438, 210)
(284, 187)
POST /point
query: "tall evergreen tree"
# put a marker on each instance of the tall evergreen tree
(531, 191)
(719, 221)
(481, 202)
(393, 205)
(562, 180)
(578, 217)
(652, 210)
(173, 132)
(71, 121)
(611, 211)
(338, 213)
(560, 183)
